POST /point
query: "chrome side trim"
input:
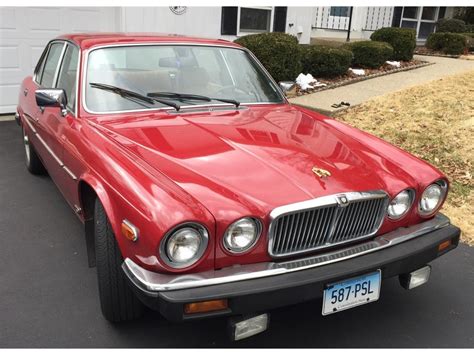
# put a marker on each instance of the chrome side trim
(44, 56)
(59, 65)
(29, 124)
(155, 282)
(325, 201)
(50, 151)
(69, 172)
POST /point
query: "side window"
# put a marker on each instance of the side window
(48, 69)
(40, 65)
(68, 75)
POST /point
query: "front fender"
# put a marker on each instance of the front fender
(130, 190)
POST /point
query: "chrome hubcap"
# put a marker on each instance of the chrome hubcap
(26, 143)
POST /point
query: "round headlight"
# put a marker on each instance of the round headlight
(185, 246)
(432, 198)
(400, 204)
(242, 235)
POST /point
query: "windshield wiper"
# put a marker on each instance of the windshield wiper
(175, 95)
(127, 94)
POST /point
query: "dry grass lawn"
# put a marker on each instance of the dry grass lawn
(435, 122)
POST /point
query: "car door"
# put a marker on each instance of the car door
(27, 101)
(45, 119)
(68, 126)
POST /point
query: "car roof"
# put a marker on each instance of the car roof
(88, 40)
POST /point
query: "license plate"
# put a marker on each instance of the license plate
(353, 292)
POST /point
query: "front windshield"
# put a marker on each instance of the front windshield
(214, 72)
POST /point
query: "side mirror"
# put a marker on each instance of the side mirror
(52, 98)
(288, 87)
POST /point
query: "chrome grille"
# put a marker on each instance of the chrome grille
(325, 222)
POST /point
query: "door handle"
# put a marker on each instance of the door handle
(25, 92)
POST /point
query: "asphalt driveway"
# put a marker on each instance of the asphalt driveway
(48, 295)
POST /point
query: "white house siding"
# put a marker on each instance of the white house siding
(204, 21)
(195, 21)
(302, 19)
(365, 20)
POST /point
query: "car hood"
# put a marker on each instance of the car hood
(251, 160)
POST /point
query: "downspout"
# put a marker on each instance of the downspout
(350, 25)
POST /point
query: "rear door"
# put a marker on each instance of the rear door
(47, 119)
(44, 75)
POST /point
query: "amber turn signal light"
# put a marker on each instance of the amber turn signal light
(129, 231)
(205, 306)
(444, 245)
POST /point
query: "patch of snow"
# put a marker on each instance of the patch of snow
(393, 63)
(357, 71)
(307, 81)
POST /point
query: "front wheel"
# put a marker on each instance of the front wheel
(117, 300)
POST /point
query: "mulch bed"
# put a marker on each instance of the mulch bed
(351, 78)
(430, 52)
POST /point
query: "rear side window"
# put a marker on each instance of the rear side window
(68, 75)
(48, 67)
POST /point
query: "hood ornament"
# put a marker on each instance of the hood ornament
(321, 173)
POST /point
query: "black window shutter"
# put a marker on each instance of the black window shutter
(229, 20)
(397, 16)
(279, 19)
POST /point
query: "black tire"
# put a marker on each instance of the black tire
(117, 300)
(33, 162)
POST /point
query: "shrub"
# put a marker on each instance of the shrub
(323, 61)
(464, 13)
(469, 40)
(279, 53)
(449, 43)
(403, 41)
(370, 54)
(451, 25)
(470, 28)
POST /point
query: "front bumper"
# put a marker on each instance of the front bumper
(263, 286)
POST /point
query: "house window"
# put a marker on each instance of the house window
(410, 12)
(429, 13)
(409, 24)
(422, 19)
(339, 11)
(254, 19)
(240, 21)
(425, 29)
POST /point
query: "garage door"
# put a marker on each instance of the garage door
(25, 31)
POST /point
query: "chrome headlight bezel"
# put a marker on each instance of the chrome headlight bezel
(443, 188)
(411, 196)
(258, 231)
(204, 241)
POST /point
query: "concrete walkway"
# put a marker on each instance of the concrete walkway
(362, 91)
(7, 118)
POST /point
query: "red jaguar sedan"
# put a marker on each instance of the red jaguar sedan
(204, 193)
